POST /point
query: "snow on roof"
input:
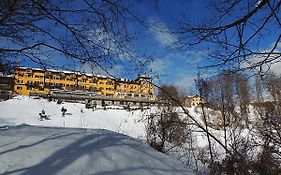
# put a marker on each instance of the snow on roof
(68, 72)
(5, 75)
(192, 96)
(143, 76)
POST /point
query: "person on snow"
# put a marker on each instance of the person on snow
(63, 110)
(43, 115)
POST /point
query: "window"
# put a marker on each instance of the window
(109, 83)
(94, 81)
(19, 87)
(29, 88)
(110, 95)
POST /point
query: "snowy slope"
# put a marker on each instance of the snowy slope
(23, 109)
(33, 150)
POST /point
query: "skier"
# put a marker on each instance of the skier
(43, 115)
(94, 105)
(63, 110)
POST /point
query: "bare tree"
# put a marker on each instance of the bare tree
(6, 67)
(227, 97)
(269, 111)
(87, 31)
(169, 94)
(235, 33)
(165, 127)
(240, 35)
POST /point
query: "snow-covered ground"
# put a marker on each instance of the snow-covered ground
(69, 145)
(25, 110)
(31, 150)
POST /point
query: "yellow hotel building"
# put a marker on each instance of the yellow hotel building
(35, 80)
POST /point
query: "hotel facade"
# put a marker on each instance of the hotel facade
(39, 81)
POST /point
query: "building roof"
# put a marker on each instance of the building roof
(68, 72)
(6, 75)
(88, 74)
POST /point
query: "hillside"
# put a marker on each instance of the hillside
(33, 150)
(25, 110)
(78, 142)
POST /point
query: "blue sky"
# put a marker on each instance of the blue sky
(168, 65)
(178, 68)
(181, 68)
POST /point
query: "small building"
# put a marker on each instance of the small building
(192, 101)
(6, 86)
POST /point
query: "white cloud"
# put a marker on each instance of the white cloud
(194, 60)
(276, 68)
(110, 43)
(158, 66)
(271, 63)
(115, 70)
(272, 66)
(186, 83)
(161, 32)
(194, 57)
